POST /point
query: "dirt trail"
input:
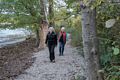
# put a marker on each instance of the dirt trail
(66, 67)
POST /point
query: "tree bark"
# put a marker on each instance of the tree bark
(95, 42)
(43, 33)
(43, 24)
(51, 13)
(90, 44)
(37, 37)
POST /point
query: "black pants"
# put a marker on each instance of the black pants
(51, 52)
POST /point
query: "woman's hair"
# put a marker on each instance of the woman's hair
(62, 28)
(51, 28)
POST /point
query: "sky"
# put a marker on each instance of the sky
(61, 2)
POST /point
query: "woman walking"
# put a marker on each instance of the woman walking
(62, 41)
(51, 41)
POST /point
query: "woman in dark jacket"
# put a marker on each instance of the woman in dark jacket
(51, 41)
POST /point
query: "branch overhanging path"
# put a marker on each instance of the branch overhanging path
(66, 67)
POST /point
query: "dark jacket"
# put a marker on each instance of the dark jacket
(51, 39)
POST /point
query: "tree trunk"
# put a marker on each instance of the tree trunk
(37, 37)
(43, 33)
(42, 40)
(87, 44)
(43, 24)
(51, 13)
(90, 44)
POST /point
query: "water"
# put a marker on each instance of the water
(8, 36)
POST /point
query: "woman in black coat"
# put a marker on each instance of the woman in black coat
(51, 41)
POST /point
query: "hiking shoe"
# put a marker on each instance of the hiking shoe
(53, 61)
(59, 54)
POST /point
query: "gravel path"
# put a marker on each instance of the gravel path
(67, 67)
